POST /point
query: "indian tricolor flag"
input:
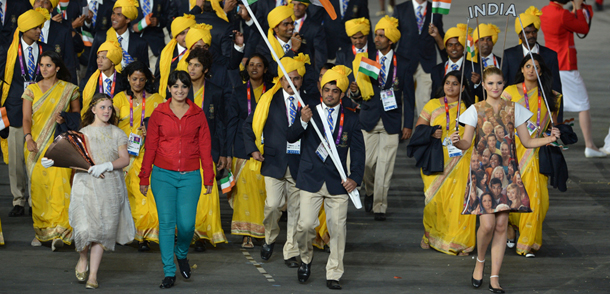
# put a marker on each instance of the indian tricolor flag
(470, 46)
(3, 119)
(227, 183)
(369, 68)
(441, 6)
(63, 6)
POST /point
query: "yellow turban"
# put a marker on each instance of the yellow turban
(529, 17)
(304, 2)
(339, 74)
(199, 32)
(356, 25)
(294, 63)
(115, 53)
(486, 30)
(390, 27)
(275, 17)
(129, 8)
(459, 32)
(32, 19)
(219, 11)
(182, 23)
(54, 3)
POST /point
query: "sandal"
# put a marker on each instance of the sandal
(424, 245)
(247, 243)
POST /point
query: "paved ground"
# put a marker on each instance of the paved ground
(380, 256)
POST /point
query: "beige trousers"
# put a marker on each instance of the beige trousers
(336, 219)
(282, 192)
(16, 166)
(381, 150)
(423, 88)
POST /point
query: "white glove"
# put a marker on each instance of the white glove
(98, 169)
(46, 163)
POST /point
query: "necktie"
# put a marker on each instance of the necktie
(108, 86)
(93, 8)
(286, 48)
(146, 7)
(344, 5)
(293, 110)
(42, 37)
(361, 50)
(331, 125)
(485, 62)
(383, 71)
(31, 63)
(2, 12)
(126, 57)
(454, 67)
(420, 18)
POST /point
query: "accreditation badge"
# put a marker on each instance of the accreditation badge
(26, 84)
(321, 152)
(293, 148)
(134, 144)
(531, 127)
(388, 99)
(451, 149)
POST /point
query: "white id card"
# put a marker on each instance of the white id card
(388, 99)
(134, 144)
(321, 152)
(447, 141)
(531, 127)
(294, 148)
(453, 151)
(26, 84)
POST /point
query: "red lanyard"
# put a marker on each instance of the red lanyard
(174, 59)
(394, 75)
(447, 66)
(249, 99)
(527, 103)
(354, 50)
(301, 23)
(21, 63)
(447, 111)
(131, 109)
(101, 85)
(341, 119)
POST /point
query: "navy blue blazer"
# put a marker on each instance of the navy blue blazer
(275, 133)
(237, 113)
(315, 37)
(313, 173)
(336, 28)
(13, 101)
(372, 110)
(138, 49)
(214, 109)
(346, 56)
(60, 39)
(74, 11)
(311, 76)
(121, 85)
(102, 21)
(261, 9)
(14, 8)
(438, 74)
(154, 36)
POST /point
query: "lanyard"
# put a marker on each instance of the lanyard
(447, 111)
(355, 51)
(301, 23)
(447, 66)
(394, 75)
(341, 119)
(131, 110)
(249, 99)
(494, 59)
(101, 85)
(527, 103)
(174, 59)
(21, 63)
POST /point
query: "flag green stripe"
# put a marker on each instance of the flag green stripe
(440, 10)
(369, 73)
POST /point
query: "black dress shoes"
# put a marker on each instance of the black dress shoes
(199, 246)
(368, 203)
(143, 246)
(379, 216)
(17, 210)
(167, 282)
(185, 268)
(267, 250)
(304, 272)
(291, 262)
(495, 290)
(333, 285)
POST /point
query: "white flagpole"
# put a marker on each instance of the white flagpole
(457, 116)
(354, 195)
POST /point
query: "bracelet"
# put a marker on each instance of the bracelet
(26, 135)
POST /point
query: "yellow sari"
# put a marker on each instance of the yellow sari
(207, 222)
(446, 229)
(530, 224)
(50, 187)
(143, 208)
(248, 196)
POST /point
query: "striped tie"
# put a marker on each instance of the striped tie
(108, 86)
(484, 62)
(344, 4)
(126, 57)
(42, 37)
(293, 110)
(1, 12)
(454, 67)
(286, 48)
(382, 77)
(93, 8)
(146, 7)
(331, 125)
(31, 64)
(420, 18)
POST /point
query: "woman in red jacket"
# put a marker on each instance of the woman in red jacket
(178, 143)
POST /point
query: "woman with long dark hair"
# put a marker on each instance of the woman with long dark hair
(43, 105)
(133, 106)
(440, 206)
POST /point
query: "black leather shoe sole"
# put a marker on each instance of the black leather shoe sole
(291, 262)
(17, 210)
(167, 282)
(185, 268)
(304, 272)
(368, 203)
(266, 251)
(333, 285)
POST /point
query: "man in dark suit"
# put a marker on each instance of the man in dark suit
(280, 163)
(312, 33)
(11, 9)
(97, 22)
(417, 49)
(381, 116)
(153, 16)
(134, 47)
(319, 180)
(18, 74)
(336, 28)
(358, 30)
(261, 9)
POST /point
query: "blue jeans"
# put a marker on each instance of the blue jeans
(176, 195)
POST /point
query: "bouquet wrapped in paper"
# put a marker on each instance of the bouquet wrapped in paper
(70, 150)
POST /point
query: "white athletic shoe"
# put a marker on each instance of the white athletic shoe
(593, 153)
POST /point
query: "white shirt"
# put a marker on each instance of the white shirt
(299, 23)
(279, 3)
(387, 62)
(282, 43)
(287, 102)
(363, 49)
(491, 60)
(536, 49)
(180, 50)
(104, 77)
(24, 47)
(416, 5)
(45, 31)
(124, 44)
(3, 4)
(97, 7)
(451, 63)
(325, 108)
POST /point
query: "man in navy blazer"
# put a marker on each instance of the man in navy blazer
(336, 28)
(280, 164)
(152, 32)
(312, 32)
(319, 180)
(417, 49)
(8, 24)
(358, 30)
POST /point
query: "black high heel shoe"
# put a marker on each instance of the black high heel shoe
(495, 290)
(477, 283)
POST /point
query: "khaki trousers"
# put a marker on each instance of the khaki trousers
(336, 219)
(423, 88)
(381, 150)
(282, 192)
(16, 166)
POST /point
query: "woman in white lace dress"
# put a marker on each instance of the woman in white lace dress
(99, 209)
